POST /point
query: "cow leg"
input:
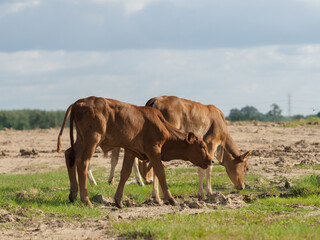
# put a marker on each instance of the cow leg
(212, 149)
(114, 161)
(149, 173)
(82, 166)
(146, 171)
(137, 172)
(208, 186)
(159, 171)
(155, 190)
(90, 176)
(72, 176)
(200, 190)
(201, 173)
(125, 174)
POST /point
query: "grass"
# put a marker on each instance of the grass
(268, 216)
(223, 224)
(303, 166)
(309, 122)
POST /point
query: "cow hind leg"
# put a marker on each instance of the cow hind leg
(82, 166)
(90, 176)
(124, 175)
(137, 172)
(155, 190)
(71, 166)
(114, 161)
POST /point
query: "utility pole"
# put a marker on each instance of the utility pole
(289, 104)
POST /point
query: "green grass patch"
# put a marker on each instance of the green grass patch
(305, 166)
(306, 122)
(223, 224)
(268, 216)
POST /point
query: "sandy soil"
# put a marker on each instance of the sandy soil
(276, 149)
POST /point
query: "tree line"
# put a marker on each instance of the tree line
(248, 113)
(31, 119)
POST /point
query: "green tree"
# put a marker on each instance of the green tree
(275, 113)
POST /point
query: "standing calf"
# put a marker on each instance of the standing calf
(141, 131)
(208, 121)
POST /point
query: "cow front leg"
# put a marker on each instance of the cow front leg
(71, 167)
(208, 182)
(114, 161)
(200, 190)
(124, 175)
(159, 171)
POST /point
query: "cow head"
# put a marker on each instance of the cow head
(197, 151)
(236, 168)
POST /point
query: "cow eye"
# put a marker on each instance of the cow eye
(247, 169)
(203, 147)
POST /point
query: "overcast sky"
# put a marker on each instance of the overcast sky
(228, 53)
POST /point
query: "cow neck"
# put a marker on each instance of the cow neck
(174, 148)
(231, 147)
(175, 144)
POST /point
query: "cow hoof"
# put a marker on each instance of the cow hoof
(172, 202)
(148, 182)
(157, 201)
(71, 198)
(118, 204)
(141, 184)
(200, 197)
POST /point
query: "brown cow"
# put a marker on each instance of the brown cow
(207, 121)
(141, 131)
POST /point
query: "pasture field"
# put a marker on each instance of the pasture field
(281, 201)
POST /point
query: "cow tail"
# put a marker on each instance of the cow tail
(72, 155)
(62, 128)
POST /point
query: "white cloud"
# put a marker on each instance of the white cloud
(130, 6)
(313, 3)
(226, 77)
(17, 6)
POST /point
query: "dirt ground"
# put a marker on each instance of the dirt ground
(276, 149)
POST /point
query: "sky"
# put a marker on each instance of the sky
(227, 53)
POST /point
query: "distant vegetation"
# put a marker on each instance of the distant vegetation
(31, 119)
(274, 115)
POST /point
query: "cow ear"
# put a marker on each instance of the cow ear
(191, 137)
(245, 155)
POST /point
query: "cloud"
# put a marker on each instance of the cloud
(227, 77)
(169, 24)
(16, 6)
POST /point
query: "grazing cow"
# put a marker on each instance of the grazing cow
(209, 122)
(141, 131)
